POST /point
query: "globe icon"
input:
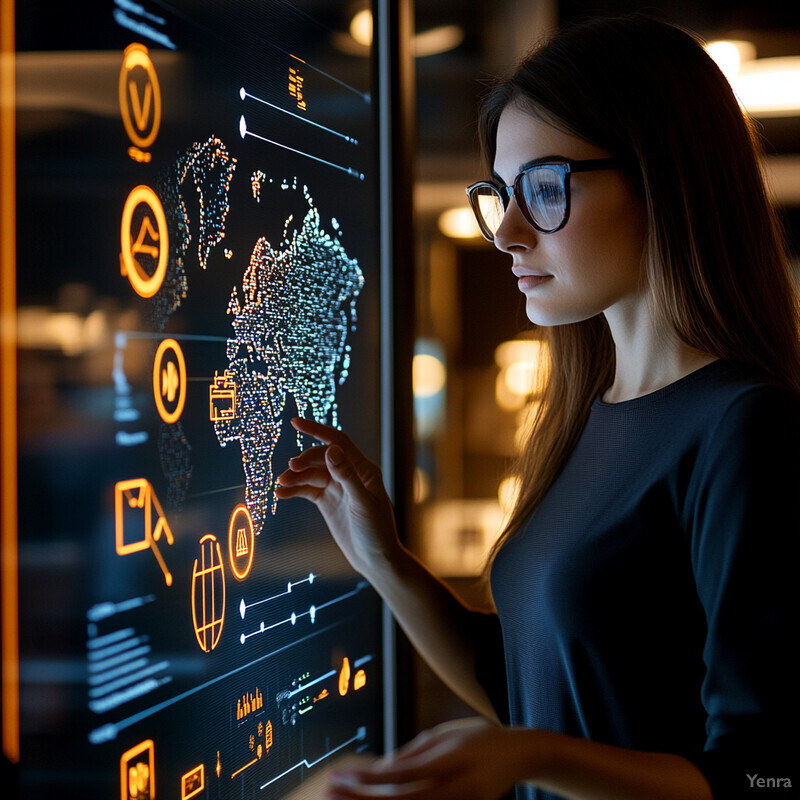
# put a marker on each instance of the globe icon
(208, 594)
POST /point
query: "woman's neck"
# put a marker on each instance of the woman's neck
(649, 355)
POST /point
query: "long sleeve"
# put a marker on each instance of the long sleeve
(744, 523)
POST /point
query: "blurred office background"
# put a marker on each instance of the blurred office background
(474, 348)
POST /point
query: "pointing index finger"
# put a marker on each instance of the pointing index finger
(324, 433)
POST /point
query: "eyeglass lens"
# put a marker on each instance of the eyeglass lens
(543, 197)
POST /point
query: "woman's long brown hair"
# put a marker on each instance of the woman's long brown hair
(715, 260)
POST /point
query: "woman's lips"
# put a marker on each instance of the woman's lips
(528, 282)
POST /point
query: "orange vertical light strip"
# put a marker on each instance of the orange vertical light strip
(8, 384)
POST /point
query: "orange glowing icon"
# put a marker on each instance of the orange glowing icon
(139, 521)
(137, 772)
(268, 735)
(222, 397)
(150, 240)
(208, 594)
(344, 677)
(359, 680)
(193, 782)
(169, 380)
(241, 542)
(296, 87)
(139, 96)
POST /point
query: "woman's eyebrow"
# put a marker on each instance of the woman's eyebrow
(554, 158)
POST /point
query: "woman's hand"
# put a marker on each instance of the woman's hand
(464, 760)
(348, 490)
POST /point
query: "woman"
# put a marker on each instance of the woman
(644, 586)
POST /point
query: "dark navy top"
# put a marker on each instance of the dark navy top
(651, 599)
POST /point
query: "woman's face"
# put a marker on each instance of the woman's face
(595, 262)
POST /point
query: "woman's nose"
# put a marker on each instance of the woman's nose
(514, 231)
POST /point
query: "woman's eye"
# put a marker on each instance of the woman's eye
(549, 193)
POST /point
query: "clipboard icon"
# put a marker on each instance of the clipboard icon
(222, 397)
(139, 521)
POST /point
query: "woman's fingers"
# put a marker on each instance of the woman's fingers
(328, 436)
(423, 759)
(324, 433)
(348, 490)
(345, 462)
(361, 479)
(420, 743)
(450, 762)
(303, 490)
(317, 477)
(312, 457)
(412, 782)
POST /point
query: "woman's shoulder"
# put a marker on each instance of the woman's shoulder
(721, 405)
(721, 391)
(740, 413)
(732, 390)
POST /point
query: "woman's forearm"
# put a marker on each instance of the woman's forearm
(580, 769)
(444, 630)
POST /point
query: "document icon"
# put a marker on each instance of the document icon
(139, 521)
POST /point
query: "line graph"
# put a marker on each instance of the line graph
(245, 131)
(359, 737)
(293, 618)
(243, 93)
(289, 586)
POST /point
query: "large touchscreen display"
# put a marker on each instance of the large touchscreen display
(197, 209)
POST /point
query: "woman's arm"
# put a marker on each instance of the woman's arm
(480, 761)
(348, 490)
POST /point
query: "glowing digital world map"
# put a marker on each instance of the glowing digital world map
(291, 319)
(291, 322)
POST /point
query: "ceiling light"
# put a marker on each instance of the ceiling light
(730, 54)
(523, 364)
(764, 87)
(438, 40)
(459, 223)
(361, 27)
(427, 43)
(769, 87)
(429, 375)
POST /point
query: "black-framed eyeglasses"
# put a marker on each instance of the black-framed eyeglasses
(540, 191)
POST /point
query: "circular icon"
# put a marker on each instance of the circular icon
(139, 95)
(151, 239)
(241, 542)
(208, 594)
(169, 380)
